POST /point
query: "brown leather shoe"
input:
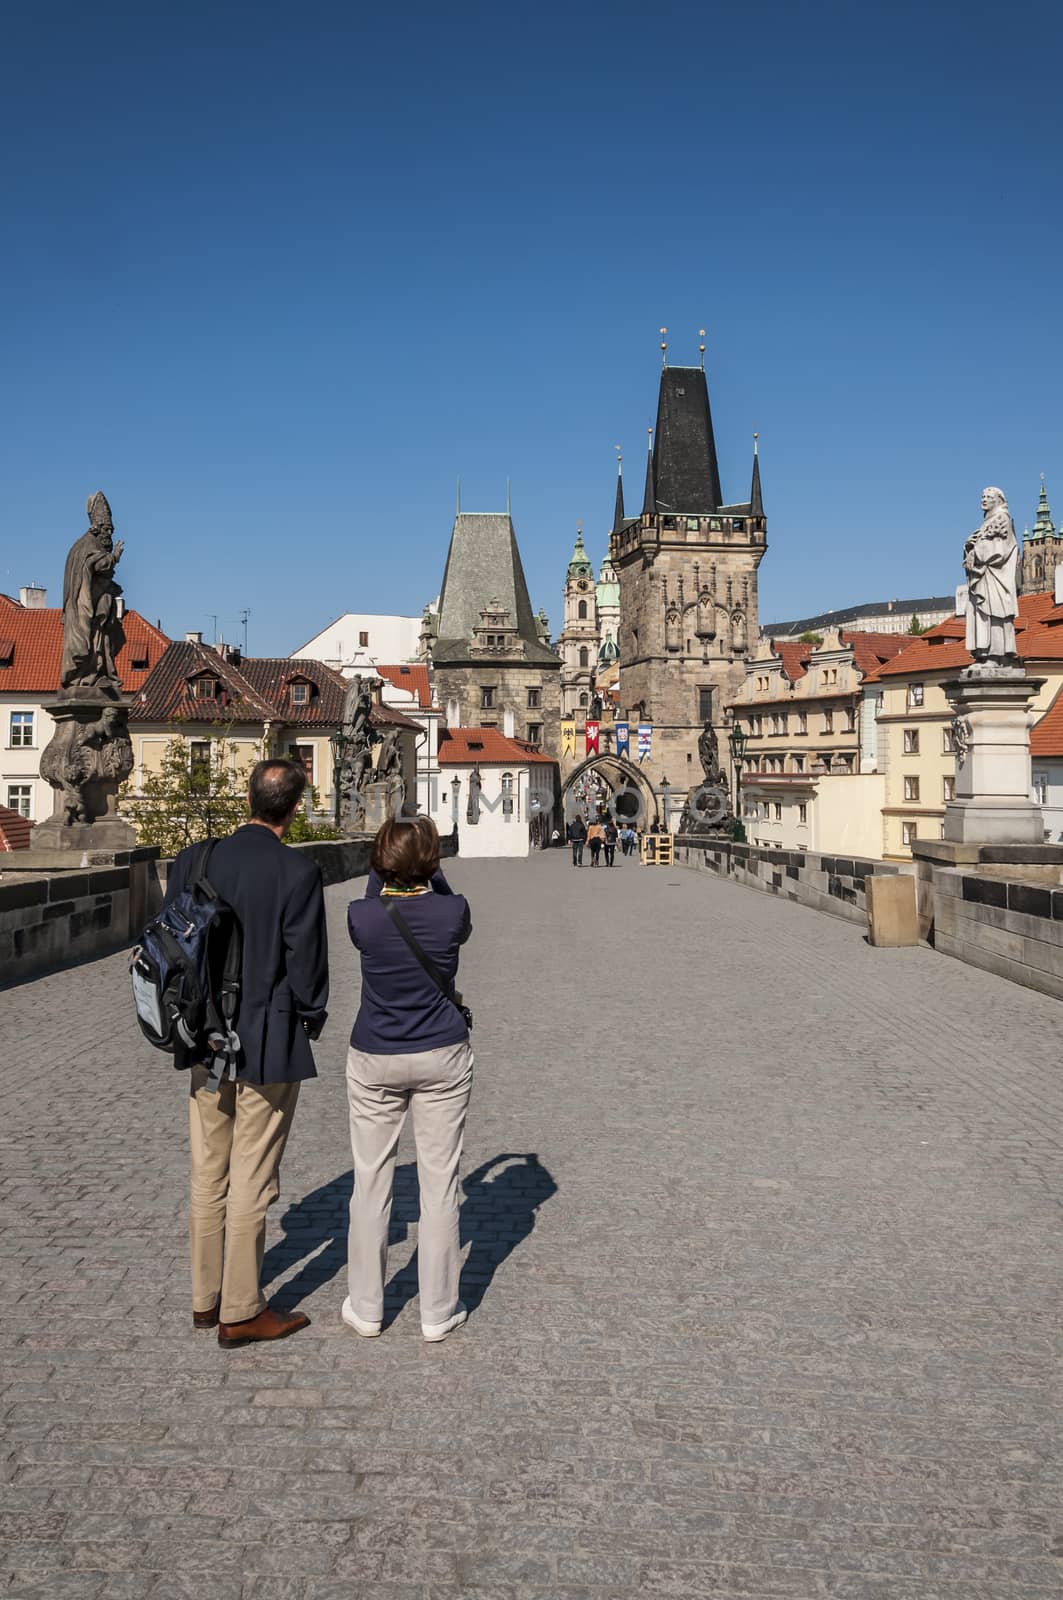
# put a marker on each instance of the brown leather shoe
(268, 1324)
(205, 1319)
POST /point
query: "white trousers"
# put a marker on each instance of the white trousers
(435, 1085)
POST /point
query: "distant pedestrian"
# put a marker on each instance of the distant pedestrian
(627, 838)
(239, 1127)
(409, 1051)
(595, 838)
(609, 841)
(576, 833)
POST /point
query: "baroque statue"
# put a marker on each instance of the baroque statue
(990, 559)
(92, 626)
(90, 754)
(355, 772)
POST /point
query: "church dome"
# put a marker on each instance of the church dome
(579, 566)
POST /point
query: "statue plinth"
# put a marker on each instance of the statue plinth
(991, 734)
(86, 761)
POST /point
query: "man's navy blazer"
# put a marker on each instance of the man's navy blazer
(276, 893)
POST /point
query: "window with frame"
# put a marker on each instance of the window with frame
(487, 698)
(20, 730)
(300, 694)
(704, 704)
(799, 763)
(584, 656)
(303, 756)
(908, 834)
(583, 699)
(778, 810)
(363, 641)
(205, 688)
(828, 722)
(911, 788)
(20, 799)
(581, 611)
(534, 699)
(911, 741)
(507, 795)
(948, 743)
(802, 812)
(199, 761)
(802, 722)
(1040, 788)
(948, 789)
(915, 695)
(535, 733)
(850, 720)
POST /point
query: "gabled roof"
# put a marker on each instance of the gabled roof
(871, 650)
(391, 717)
(686, 476)
(794, 657)
(31, 648)
(1038, 637)
(1046, 736)
(485, 747)
(484, 567)
(412, 677)
(271, 678)
(15, 830)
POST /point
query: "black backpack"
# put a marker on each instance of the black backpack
(186, 974)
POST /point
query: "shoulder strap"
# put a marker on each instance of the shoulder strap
(423, 959)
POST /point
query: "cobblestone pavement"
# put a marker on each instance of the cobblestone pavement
(765, 1275)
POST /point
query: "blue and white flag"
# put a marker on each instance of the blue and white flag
(623, 738)
(645, 739)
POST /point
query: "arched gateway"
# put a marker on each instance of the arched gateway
(630, 795)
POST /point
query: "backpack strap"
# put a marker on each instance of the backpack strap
(222, 1037)
(421, 956)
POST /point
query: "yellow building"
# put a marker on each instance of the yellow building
(909, 719)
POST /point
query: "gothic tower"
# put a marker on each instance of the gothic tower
(688, 584)
(1042, 550)
(578, 643)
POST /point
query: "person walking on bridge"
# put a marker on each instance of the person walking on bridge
(409, 1051)
(595, 838)
(576, 834)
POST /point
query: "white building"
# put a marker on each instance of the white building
(359, 640)
(500, 793)
(407, 687)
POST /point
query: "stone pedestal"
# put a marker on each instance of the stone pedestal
(991, 731)
(87, 760)
(383, 800)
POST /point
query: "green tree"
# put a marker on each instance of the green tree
(196, 794)
(303, 830)
(915, 626)
(810, 638)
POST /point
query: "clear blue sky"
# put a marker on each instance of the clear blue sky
(274, 275)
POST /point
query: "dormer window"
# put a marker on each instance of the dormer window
(300, 694)
(205, 688)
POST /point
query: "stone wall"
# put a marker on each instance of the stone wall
(1010, 928)
(835, 884)
(51, 919)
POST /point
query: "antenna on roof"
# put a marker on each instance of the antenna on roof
(245, 613)
(701, 347)
(664, 348)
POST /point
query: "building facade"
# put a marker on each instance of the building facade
(687, 573)
(358, 641)
(491, 665)
(499, 793)
(580, 637)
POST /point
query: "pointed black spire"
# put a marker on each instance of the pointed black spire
(618, 514)
(685, 471)
(756, 502)
(649, 499)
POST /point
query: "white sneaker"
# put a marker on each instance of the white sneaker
(432, 1332)
(368, 1330)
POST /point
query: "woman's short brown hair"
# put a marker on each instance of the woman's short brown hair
(406, 851)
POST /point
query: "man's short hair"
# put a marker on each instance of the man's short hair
(276, 788)
(406, 851)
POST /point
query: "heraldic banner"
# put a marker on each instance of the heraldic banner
(645, 739)
(623, 739)
(568, 739)
(592, 738)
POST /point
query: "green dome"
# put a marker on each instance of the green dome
(579, 566)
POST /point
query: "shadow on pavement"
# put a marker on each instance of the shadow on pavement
(502, 1198)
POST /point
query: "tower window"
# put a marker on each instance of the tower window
(581, 611)
(534, 699)
(584, 656)
(487, 699)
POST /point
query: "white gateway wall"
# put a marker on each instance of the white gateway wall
(505, 812)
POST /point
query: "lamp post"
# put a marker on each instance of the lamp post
(339, 742)
(455, 791)
(737, 742)
(665, 786)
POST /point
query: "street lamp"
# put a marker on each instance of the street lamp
(340, 740)
(737, 740)
(665, 786)
(455, 791)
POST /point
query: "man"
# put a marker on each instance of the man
(239, 1132)
(576, 834)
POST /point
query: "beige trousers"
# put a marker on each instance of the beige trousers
(435, 1085)
(238, 1137)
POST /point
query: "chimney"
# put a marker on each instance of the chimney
(193, 638)
(1058, 595)
(34, 598)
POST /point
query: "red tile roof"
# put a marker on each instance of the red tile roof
(412, 677)
(391, 717)
(1038, 637)
(15, 830)
(486, 747)
(794, 657)
(31, 648)
(871, 650)
(1046, 736)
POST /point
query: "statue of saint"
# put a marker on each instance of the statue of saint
(990, 559)
(92, 627)
(472, 809)
(709, 753)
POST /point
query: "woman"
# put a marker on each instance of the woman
(595, 835)
(409, 1050)
(611, 835)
